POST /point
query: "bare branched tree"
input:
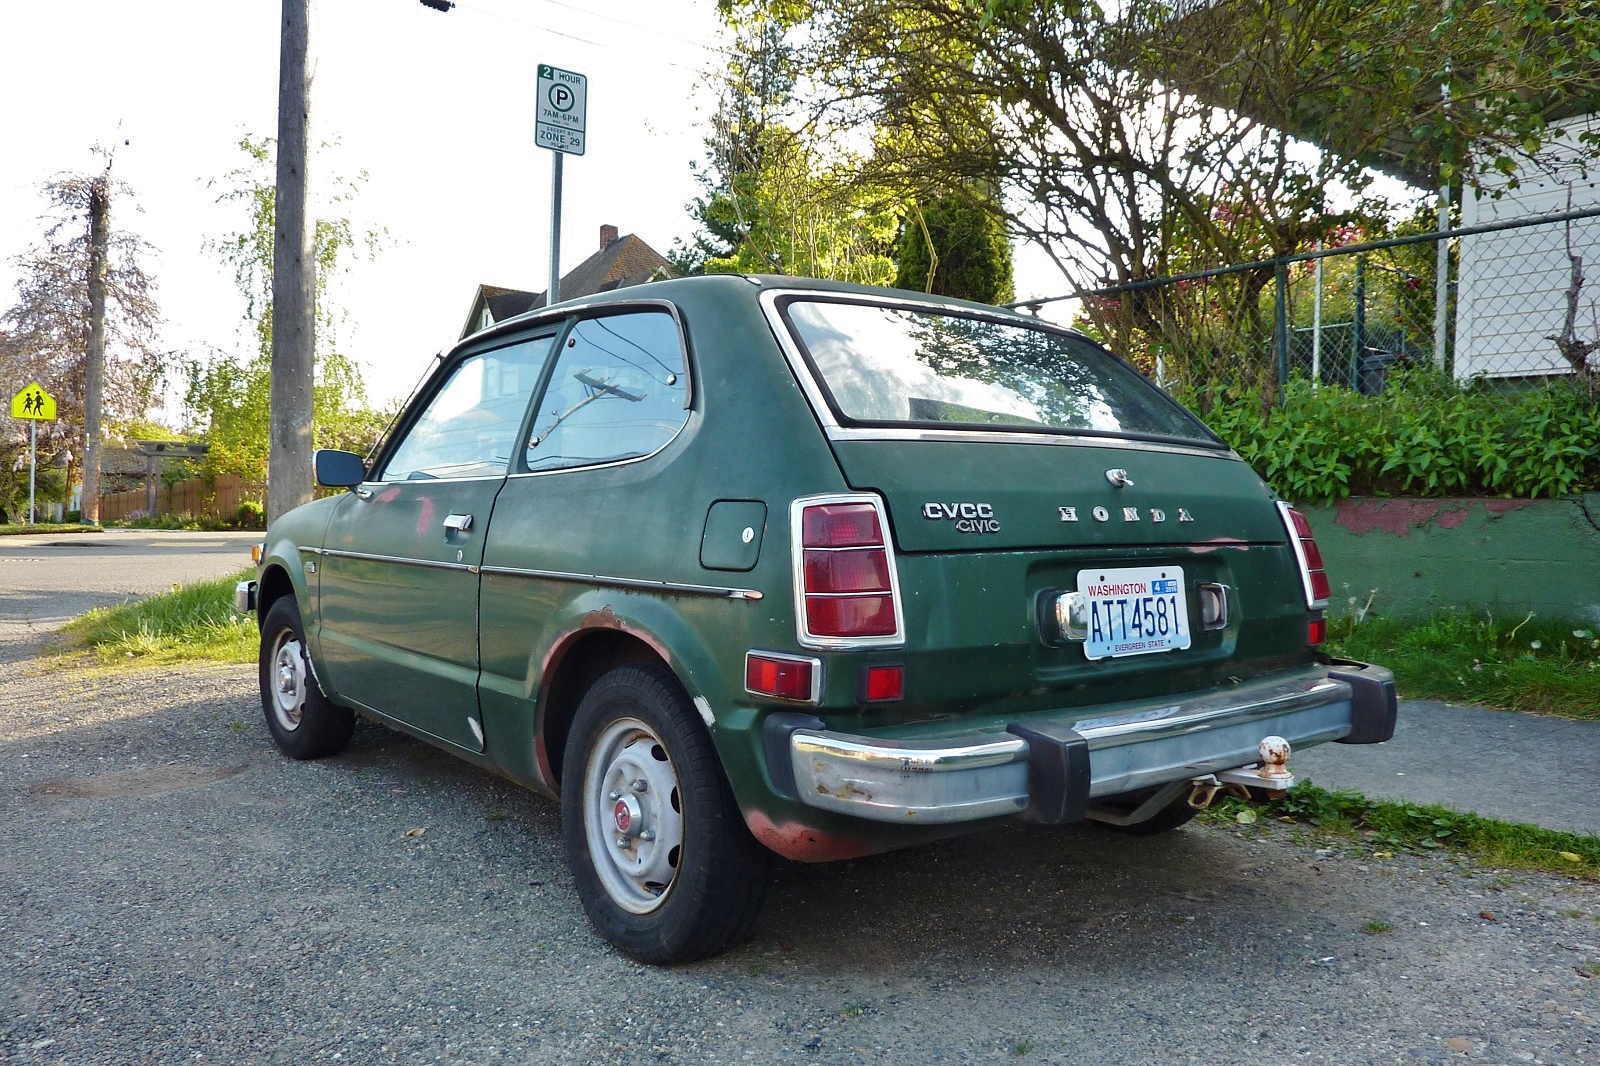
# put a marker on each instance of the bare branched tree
(44, 335)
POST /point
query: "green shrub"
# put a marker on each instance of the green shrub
(1423, 436)
(251, 515)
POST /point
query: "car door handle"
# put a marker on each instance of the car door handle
(457, 523)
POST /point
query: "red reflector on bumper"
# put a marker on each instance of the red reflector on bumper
(884, 683)
(787, 679)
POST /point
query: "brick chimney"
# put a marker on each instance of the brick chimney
(607, 235)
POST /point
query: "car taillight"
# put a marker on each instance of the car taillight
(1316, 631)
(1313, 578)
(846, 590)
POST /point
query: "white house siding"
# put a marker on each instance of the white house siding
(1511, 290)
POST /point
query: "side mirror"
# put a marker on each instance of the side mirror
(339, 470)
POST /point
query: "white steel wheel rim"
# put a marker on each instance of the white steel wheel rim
(633, 815)
(288, 682)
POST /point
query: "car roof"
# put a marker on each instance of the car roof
(671, 289)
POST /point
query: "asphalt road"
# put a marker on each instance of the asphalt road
(47, 579)
(1514, 767)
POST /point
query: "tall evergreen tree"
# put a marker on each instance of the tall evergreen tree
(970, 254)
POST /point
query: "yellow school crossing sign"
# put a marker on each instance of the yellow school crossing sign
(35, 404)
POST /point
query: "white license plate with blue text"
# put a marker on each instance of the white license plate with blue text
(1134, 611)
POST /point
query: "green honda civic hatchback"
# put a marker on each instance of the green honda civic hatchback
(740, 566)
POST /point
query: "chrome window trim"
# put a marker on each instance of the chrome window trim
(816, 674)
(797, 551)
(545, 316)
(426, 564)
(608, 464)
(1053, 439)
(643, 584)
(834, 430)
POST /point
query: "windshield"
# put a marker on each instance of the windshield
(884, 365)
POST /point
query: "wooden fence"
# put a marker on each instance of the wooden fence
(196, 497)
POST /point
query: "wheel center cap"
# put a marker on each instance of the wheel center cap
(625, 814)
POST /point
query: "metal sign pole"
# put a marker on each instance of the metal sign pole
(555, 229)
(560, 124)
(33, 463)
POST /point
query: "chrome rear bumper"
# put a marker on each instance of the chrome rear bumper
(1049, 767)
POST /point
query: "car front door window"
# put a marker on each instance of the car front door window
(468, 429)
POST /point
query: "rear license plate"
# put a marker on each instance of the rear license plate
(1134, 611)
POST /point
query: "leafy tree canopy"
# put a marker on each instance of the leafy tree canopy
(229, 399)
(44, 334)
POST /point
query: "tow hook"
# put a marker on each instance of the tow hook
(1272, 775)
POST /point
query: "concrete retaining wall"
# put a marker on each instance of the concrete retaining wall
(1414, 556)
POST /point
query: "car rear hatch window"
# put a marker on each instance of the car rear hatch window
(882, 365)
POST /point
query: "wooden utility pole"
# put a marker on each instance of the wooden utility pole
(95, 355)
(289, 482)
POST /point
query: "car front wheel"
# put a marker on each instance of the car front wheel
(303, 722)
(664, 864)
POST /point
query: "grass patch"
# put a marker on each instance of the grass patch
(1524, 663)
(14, 529)
(1377, 927)
(192, 622)
(1386, 827)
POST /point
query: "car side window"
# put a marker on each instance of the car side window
(620, 389)
(471, 424)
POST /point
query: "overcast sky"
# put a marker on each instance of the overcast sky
(435, 107)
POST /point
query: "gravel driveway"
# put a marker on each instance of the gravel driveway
(173, 890)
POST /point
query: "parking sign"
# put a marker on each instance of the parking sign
(560, 110)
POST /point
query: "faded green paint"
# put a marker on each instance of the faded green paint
(410, 624)
(1413, 557)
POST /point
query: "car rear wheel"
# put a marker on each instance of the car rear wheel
(664, 864)
(303, 722)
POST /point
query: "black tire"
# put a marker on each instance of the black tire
(665, 867)
(303, 722)
(1170, 817)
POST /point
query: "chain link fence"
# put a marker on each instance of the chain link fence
(1520, 308)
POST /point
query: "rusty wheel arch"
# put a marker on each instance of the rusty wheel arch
(578, 662)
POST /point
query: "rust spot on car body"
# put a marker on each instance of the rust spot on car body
(804, 843)
(1204, 547)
